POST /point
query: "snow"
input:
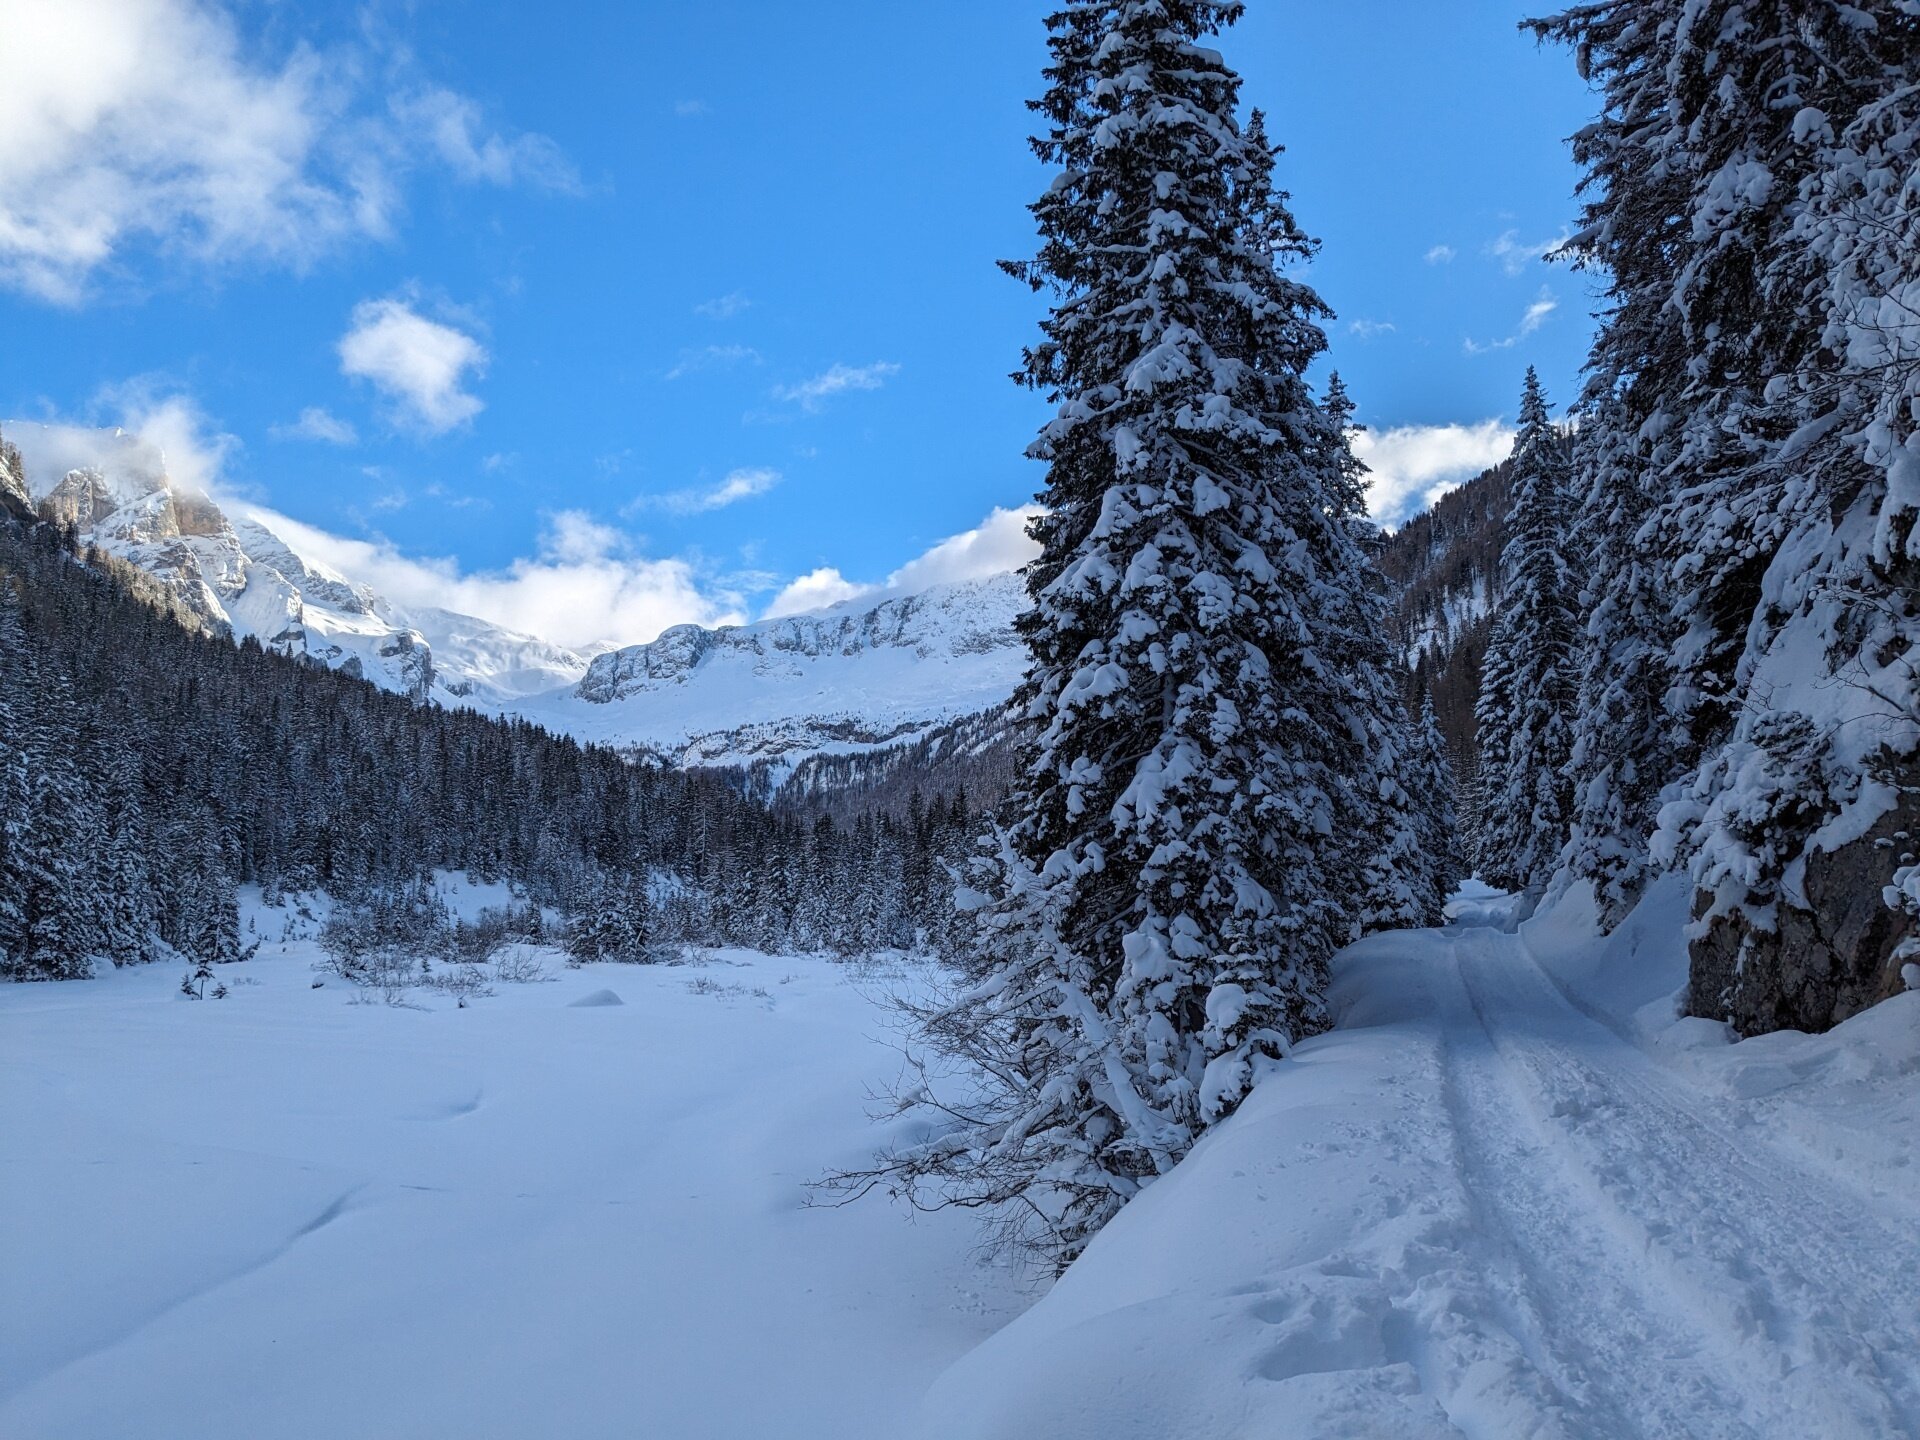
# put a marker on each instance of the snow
(286, 1214)
(1512, 1194)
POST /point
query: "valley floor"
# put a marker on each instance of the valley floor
(1511, 1196)
(284, 1215)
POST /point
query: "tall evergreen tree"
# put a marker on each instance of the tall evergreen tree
(1443, 853)
(17, 674)
(1387, 821)
(1753, 201)
(1525, 711)
(1624, 749)
(1157, 913)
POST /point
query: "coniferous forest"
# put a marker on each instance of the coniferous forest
(149, 771)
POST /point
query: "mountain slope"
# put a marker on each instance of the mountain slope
(1446, 566)
(238, 577)
(865, 673)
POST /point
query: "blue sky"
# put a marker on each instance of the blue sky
(599, 317)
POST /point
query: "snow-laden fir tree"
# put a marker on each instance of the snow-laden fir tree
(1157, 914)
(1752, 195)
(1400, 828)
(52, 900)
(1525, 708)
(1623, 748)
(1443, 862)
(1634, 224)
(16, 676)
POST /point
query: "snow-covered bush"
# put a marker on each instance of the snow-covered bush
(463, 982)
(518, 963)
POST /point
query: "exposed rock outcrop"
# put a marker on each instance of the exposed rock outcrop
(1826, 960)
(80, 501)
(970, 618)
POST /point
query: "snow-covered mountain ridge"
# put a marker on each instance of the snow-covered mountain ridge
(239, 577)
(881, 669)
(866, 672)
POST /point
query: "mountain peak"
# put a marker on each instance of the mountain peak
(241, 577)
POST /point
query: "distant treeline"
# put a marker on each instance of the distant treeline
(147, 771)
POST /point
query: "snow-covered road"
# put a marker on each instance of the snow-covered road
(1678, 1274)
(1489, 1206)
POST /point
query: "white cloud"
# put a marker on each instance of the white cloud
(997, 544)
(453, 127)
(1515, 254)
(815, 590)
(1441, 254)
(196, 453)
(139, 431)
(739, 485)
(316, 423)
(1535, 316)
(835, 380)
(723, 307)
(1372, 329)
(689, 108)
(584, 586)
(712, 357)
(128, 122)
(1413, 465)
(419, 364)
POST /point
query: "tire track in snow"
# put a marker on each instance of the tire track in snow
(1804, 1311)
(1625, 1365)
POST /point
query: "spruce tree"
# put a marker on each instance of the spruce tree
(1525, 710)
(1436, 790)
(1623, 749)
(1157, 911)
(16, 687)
(1753, 202)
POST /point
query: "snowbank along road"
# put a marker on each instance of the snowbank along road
(1488, 1207)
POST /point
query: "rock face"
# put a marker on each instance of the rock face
(13, 480)
(971, 618)
(81, 500)
(1825, 962)
(863, 674)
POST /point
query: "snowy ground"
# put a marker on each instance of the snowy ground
(1511, 1196)
(281, 1214)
